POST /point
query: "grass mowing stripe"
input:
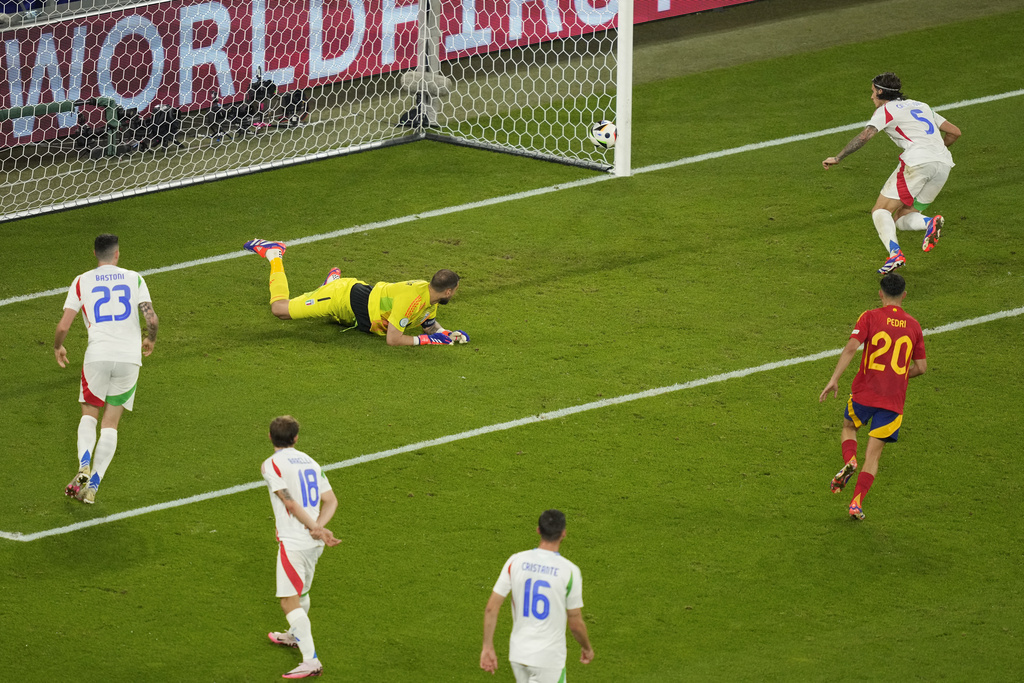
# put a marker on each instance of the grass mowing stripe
(490, 429)
(523, 195)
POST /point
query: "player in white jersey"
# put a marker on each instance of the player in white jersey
(303, 503)
(547, 594)
(110, 299)
(924, 137)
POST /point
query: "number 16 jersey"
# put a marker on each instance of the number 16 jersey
(892, 339)
(544, 585)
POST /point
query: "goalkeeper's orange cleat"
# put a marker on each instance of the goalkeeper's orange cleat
(261, 247)
(335, 274)
(856, 512)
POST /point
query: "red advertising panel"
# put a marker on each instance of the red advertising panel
(475, 26)
(189, 53)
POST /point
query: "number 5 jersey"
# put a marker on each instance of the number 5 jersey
(914, 127)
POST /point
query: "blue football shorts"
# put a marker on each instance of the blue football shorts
(885, 424)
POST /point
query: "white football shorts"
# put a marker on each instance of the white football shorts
(916, 186)
(295, 570)
(537, 674)
(109, 382)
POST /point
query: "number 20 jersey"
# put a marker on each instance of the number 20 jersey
(109, 299)
(292, 470)
(892, 339)
(543, 585)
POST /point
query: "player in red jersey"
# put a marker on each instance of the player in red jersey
(893, 353)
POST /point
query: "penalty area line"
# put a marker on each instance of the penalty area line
(490, 429)
(526, 194)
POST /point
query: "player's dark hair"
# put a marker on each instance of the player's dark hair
(551, 524)
(444, 279)
(890, 85)
(105, 246)
(283, 431)
(893, 284)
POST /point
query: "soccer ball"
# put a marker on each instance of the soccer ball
(604, 134)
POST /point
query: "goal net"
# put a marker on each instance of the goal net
(102, 99)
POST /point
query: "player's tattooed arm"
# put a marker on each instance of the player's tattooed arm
(858, 142)
(852, 146)
(152, 322)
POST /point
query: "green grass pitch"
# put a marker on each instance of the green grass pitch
(710, 546)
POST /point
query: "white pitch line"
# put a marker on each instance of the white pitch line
(521, 195)
(490, 429)
(810, 136)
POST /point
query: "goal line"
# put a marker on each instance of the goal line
(526, 194)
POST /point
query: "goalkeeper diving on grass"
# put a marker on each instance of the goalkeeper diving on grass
(387, 309)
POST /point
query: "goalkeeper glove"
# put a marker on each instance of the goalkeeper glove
(436, 338)
(459, 336)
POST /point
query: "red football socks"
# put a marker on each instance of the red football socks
(849, 450)
(864, 482)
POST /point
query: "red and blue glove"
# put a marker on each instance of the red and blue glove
(430, 339)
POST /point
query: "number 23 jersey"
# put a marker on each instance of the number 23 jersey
(892, 339)
(109, 299)
(543, 585)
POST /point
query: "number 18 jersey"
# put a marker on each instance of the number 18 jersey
(295, 471)
(544, 585)
(109, 299)
(891, 340)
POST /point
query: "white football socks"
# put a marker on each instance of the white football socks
(105, 448)
(886, 228)
(302, 629)
(912, 221)
(86, 440)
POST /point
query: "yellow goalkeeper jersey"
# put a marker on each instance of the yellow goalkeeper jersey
(402, 304)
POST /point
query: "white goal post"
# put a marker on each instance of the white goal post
(103, 99)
